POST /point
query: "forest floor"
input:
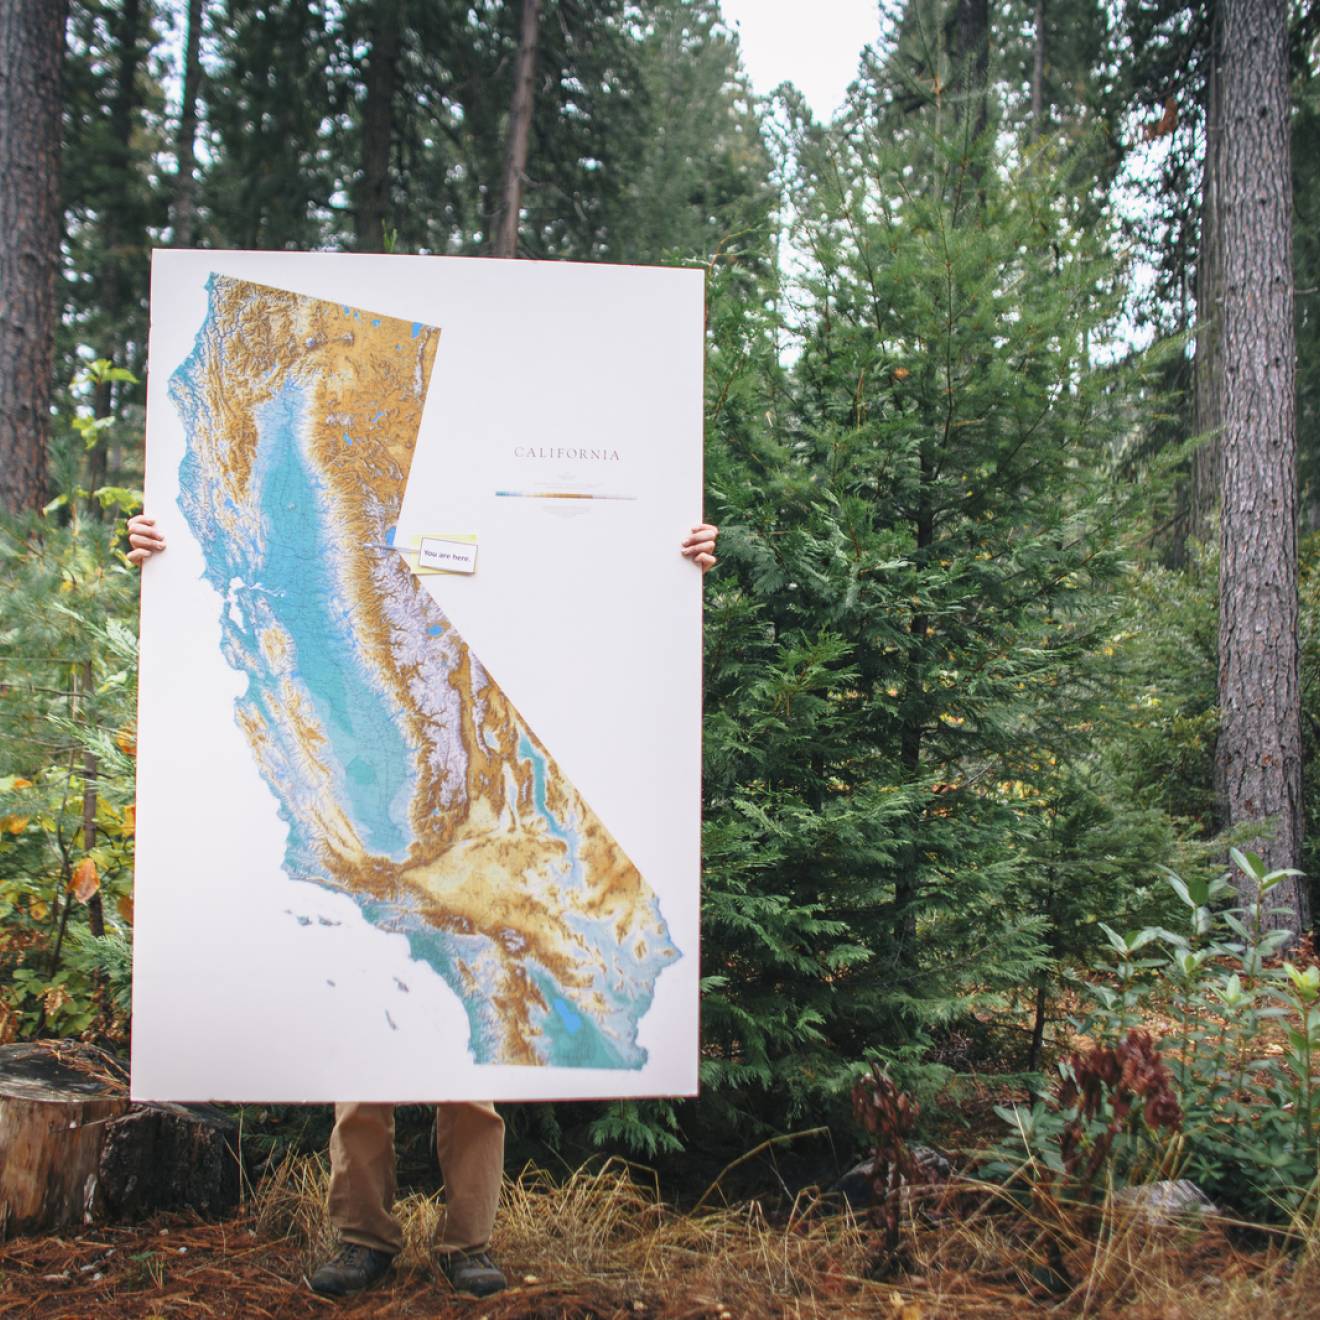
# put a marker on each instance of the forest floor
(602, 1244)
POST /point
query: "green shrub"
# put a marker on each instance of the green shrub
(1241, 1047)
(68, 669)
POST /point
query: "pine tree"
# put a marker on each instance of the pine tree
(270, 104)
(518, 132)
(587, 116)
(699, 180)
(184, 214)
(1171, 74)
(922, 542)
(114, 208)
(372, 200)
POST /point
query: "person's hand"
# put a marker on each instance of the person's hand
(144, 538)
(700, 546)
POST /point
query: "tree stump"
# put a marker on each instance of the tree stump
(75, 1149)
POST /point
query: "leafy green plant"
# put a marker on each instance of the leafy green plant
(1242, 1045)
(1108, 1118)
(68, 671)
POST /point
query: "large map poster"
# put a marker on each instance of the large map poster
(419, 713)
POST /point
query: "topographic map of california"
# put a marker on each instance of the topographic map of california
(407, 779)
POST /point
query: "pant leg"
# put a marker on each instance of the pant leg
(469, 1140)
(362, 1182)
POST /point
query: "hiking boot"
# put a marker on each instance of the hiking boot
(473, 1272)
(350, 1269)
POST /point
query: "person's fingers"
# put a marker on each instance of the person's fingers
(702, 532)
(707, 562)
(144, 539)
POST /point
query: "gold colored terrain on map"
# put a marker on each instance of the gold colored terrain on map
(482, 859)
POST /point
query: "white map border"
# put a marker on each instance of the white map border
(233, 961)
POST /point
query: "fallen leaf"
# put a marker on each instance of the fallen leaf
(37, 910)
(129, 826)
(54, 999)
(901, 373)
(14, 824)
(85, 880)
(125, 908)
(22, 783)
(126, 742)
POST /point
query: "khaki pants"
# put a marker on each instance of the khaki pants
(469, 1140)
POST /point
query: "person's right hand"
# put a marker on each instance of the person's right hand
(144, 538)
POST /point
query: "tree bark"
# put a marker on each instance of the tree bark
(185, 177)
(1258, 758)
(31, 54)
(520, 132)
(373, 200)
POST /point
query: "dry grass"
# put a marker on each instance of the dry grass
(985, 1254)
(604, 1234)
(602, 1243)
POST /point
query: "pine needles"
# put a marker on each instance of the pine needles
(602, 1243)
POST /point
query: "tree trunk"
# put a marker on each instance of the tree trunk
(75, 1149)
(1207, 401)
(907, 885)
(1038, 73)
(118, 228)
(1259, 753)
(520, 132)
(373, 200)
(185, 178)
(967, 38)
(1037, 1046)
(95, 911)
(969, 53)
(31, 53)
(122, 235)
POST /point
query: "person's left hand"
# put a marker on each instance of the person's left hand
(700, 546)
